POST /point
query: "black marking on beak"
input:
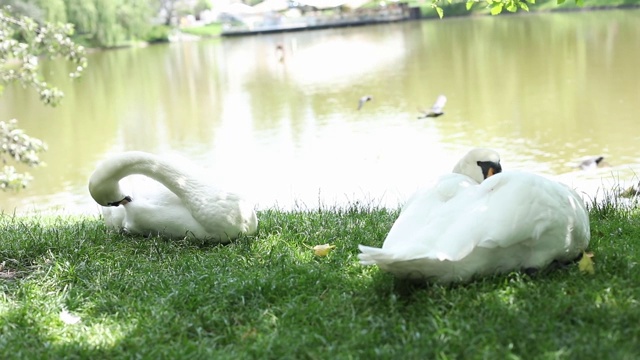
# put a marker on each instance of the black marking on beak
(489, 168)
(126, 200)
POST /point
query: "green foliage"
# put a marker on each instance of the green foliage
(202, 5)
(158, 33)
(497, 6)
(213, 29)
(270, 297)
(83, 15)
(109, 23)
(54, 10)
(22, 42)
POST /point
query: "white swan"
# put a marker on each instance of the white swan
(471, 224)
(186, 206)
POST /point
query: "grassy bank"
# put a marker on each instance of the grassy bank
(269, 296)
(210, 30)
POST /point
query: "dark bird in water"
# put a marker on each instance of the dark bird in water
(591, 163)
(363, 100)
(436, 109)
(280, 53)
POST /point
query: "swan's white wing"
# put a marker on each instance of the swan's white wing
(170, 218)
(409, 231)
(508, 209)
(514, 208)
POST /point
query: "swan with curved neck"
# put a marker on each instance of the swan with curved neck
(188, 205)
(478, 221)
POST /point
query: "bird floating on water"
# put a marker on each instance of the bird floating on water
(591, 162)
(436, 109)
(280, 53)
(481, 221)
(363, 100)
(178, 204)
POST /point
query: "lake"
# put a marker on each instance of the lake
(543, 89)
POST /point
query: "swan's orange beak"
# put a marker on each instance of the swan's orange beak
(489, 168)
(494, 168)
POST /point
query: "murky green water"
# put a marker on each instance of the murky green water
(544, 90)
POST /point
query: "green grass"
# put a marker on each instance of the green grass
(210, 30)
(269, 296)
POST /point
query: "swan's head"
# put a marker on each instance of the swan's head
(479, 164)
(106, 194)
(105, 191)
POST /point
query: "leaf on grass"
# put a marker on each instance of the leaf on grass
(68, 318)
(249, 334)
(586, 264)
(323, 250)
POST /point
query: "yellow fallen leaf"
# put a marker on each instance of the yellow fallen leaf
(586, 264)
(323, 250)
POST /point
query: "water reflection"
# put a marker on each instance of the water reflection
(544, 90)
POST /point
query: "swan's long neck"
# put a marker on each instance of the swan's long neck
(104, 182)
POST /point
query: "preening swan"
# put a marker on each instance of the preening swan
(472, 223)
(187, 206)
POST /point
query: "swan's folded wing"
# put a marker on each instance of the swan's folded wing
(489, 215)
(414, 225)
(451, 229)
(509, 209)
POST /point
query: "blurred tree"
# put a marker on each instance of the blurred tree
(28, 8)
(22, 42)
(106, 23)
(136, 17)
(167, 9)
(83, 14)
(201, 6)
(55, 11)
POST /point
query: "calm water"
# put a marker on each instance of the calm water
(544, 90)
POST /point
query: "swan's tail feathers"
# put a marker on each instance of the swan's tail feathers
(408, 267)
(374, 256)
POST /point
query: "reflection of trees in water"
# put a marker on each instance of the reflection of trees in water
(545, 78)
